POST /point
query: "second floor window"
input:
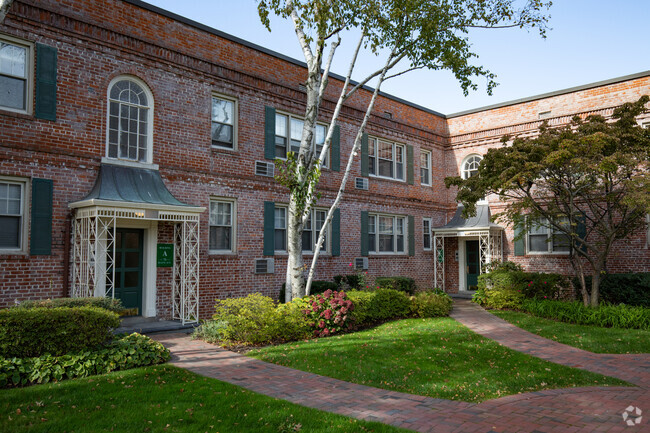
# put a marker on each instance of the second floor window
(385, 159)
(14, 70)
(223, 122)
(129, 121)
(425, 168)
(288, 134)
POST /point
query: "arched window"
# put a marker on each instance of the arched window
(470, 166)
(129, 120)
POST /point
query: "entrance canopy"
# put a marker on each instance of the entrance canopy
(479, 226)
(133, 194)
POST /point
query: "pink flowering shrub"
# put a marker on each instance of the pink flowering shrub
(329, 313)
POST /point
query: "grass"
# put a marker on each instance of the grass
(431, 357)
(162, 398)
(592, 338)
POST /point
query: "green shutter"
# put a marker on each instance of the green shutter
(45, 82)
(581, 231)
(364, 155)
(364, 233)
(269, 132)
(269, 228)
(411, 231)
(409, 165)
(336, 233)
(41, 225)
(520, 245)
(335, 149)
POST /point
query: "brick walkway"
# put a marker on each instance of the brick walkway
(565, 410)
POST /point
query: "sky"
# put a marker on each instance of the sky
(589, 41)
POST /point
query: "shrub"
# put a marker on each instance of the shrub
(252, 319)
(506, 266)
(316, 288)
(504, 299)
(431, 304)
(338, 280)
(212, 331)
(629, 289)
(381, 304)
(361, 314)
(544, 286)
(129, 351)
(329, 313)
(506, 289)
(610, 316)
(355, 281)
(480, 297)
(32, 332)
(110, 304)
(403, 284)
(292, 320)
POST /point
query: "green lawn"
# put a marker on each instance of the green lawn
(592, 338)
(162, 398)
(432, 357)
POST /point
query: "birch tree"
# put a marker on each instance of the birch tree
(4, 9)
(410, 35)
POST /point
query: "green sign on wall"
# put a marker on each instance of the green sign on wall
(165, 256)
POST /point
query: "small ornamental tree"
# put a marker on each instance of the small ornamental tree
(407, 35)
(589, 182)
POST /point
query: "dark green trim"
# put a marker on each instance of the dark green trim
(269, 132)
(409, 164)
(45, 107)
(335, 149)
(411, 232)
(364, 155)
(520, 242)
(364, 233)
(336, 233)
(41, 218)
(269, 228)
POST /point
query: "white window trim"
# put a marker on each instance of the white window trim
(29, 68)
(430, 220)
(376, 252)
(325, 249)
(302, 119)
(149, 158)
(233, 225)
(462, 172)
(25, 220)
(549, 243)
(376, 157)
(235, 125)
(429, 159)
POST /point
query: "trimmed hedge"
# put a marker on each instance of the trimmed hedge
(431, 304)
(378, 305)
(629, 289)
(110, 304)
(507, 289)
(130, 351)
(403, 284)
(32, 332)
(609, 316)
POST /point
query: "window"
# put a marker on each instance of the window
(288, 133)
(129, 120)
(385, 159)
(12, 215)
(544, 239)
(222, 225)
(224, 112)
(426, 234)
(386, 234)
(15, 75)
(425, 167)
(310, 233)
(470, 166)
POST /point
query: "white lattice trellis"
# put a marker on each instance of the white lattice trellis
(185, 286)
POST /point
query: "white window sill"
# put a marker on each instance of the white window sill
(222, 253)
(547, 253)
(376, 176)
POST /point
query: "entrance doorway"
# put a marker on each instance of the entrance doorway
(472, 262)
(128, 268)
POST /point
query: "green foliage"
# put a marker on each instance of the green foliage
(403, 284)
(506, 289)
(130, 351)
(629, 289)
(211, 331)
(614, 316)
(316, 288)
(379, 305)
(32, 332)
(329, 313)
(504, 299)
(505, 266)
(431, 304)
(480, 297)
(300, 179)
(110, 304)
(255, 319)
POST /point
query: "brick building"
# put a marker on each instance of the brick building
(126, 130)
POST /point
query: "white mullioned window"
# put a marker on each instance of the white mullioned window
(386, 234)
(288, 134)
(280, 240)
(12, 214)
(310, 233)
(425, 167)
(470, 166)
(542, 239)
(130, 120)
(224, 122)
(223, 217)
(15, 75)
(426, 234)
(386, 159)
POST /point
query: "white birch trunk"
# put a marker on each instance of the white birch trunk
(4, 9)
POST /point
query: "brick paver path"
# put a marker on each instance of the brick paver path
(596, 409)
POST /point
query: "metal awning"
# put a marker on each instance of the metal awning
(459, 226)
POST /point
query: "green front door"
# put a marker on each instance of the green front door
(473, 264)
(128, 268)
